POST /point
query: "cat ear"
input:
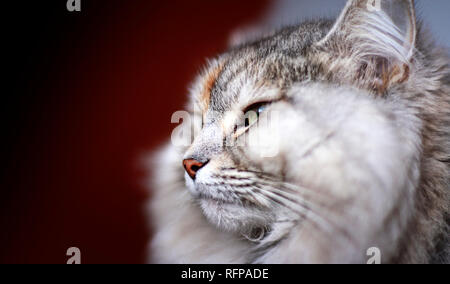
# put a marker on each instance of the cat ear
(379, 34)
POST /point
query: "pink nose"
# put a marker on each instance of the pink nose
(192, 167)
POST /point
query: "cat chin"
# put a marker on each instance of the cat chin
(234, 218)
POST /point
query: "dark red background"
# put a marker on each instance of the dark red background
(91, 93)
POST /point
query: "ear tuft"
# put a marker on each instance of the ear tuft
(379, 34)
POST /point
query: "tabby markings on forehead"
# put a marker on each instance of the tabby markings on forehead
(209, 81)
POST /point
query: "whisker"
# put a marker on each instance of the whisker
(293, 206)
(267, 178)
(312, 210)
(316, 223)
(296, 189)
(293, 197)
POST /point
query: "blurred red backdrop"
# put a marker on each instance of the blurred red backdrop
(94, 93)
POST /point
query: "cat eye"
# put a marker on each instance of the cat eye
(251, 117)
(253, 112)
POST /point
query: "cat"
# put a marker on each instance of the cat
(361, 140)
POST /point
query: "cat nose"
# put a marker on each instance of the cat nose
(192, 166)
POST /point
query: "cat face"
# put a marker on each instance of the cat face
(300, 124)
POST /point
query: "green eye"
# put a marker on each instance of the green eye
(252, 113)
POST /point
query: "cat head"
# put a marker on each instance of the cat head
(303, 117)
